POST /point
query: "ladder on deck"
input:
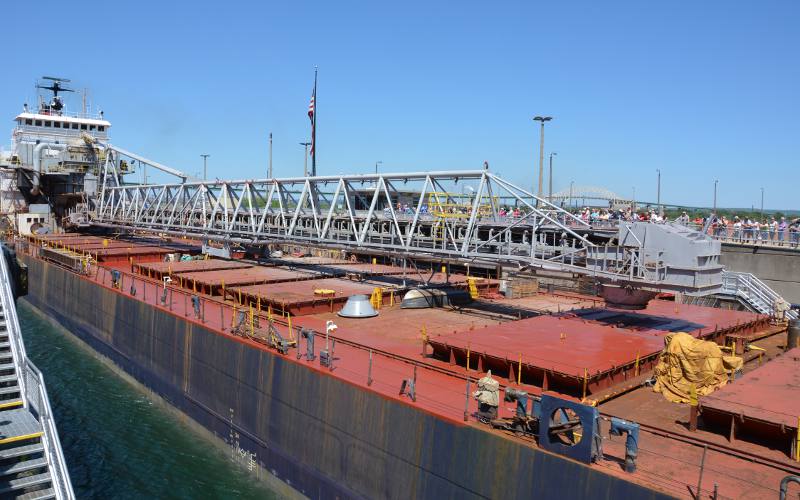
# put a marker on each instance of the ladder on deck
(753, 292)
(31, 461)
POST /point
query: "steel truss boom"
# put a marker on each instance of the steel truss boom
(448, 216)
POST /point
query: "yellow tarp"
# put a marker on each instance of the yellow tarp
(687, 361)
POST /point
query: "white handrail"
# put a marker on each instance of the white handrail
(62, 484)
(757, 293)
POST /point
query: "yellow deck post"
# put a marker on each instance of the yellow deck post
(797, 443)
(585, 381)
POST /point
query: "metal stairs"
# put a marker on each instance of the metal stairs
(32, 465)
(24, 471)
(754, 292)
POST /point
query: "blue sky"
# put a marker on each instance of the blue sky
(701, 90)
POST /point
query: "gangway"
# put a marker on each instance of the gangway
(389, 214)
(32, 463)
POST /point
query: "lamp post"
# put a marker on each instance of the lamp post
(658, 192)
(762, 202)
(376, 165)
(550, 186)
(542, 120)
(205, 166)
(571, 183)
(715, 196)
(269, 174)
(633, 205)
(305, 158)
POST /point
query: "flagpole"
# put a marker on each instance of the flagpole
(314, 130)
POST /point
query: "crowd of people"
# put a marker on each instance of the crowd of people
(778, 231)
(751, 230)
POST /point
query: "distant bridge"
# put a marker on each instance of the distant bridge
(593, 193)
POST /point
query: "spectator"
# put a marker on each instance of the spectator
(737, 229)
(764, 230)
(794, 232)
(683, 219)
(782, 230)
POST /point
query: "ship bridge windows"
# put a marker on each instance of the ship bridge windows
(57, 124)
(101, 128)
(48, 123)
(83, 126)
(91, 127)
(38, 123)
(28, 121)
(74, 126)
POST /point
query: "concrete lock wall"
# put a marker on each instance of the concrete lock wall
(777, 267)
(324, 437)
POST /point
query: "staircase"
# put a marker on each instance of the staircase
(31, 462)
(753, 292)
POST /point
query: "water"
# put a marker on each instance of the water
(117, 443)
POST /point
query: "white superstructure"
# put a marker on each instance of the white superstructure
(54, 160)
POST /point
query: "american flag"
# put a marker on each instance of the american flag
(311, 110)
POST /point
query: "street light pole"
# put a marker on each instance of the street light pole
(715, 196)
(571, 183)
(633, 205)
(762, 202)
(270, 156)
(376, 165)
(205, 166)
(542, 120)
(305, 158)
(550, 187)
(658, 192)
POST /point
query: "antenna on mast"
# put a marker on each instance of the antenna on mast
(56, 104)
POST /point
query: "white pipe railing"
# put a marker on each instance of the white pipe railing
(33, 391)
(757, 293)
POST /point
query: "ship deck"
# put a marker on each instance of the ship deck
(597, 350)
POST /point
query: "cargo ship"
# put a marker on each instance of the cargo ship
(393, 336)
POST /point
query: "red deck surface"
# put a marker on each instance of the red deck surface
(138, 253)
(768, 393)
(583, 356)
(584, 346)
(241, 277)
(667, 464)
(398, 330)
(58, 236)
(711, 317)
(192, 265)
(298, 297)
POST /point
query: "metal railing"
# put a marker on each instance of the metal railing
(33, 391)
(786, 238)
(753, 291)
